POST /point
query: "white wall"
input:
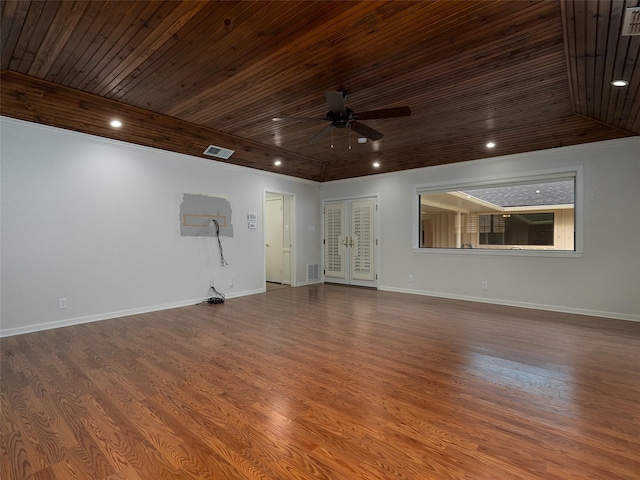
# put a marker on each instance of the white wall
(96, 221)
(604, 280)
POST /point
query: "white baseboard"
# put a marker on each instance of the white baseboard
(305, 283)
(244, 293)
(9, 332)
(154, 308)
(535, 306)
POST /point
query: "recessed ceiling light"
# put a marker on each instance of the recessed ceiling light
(277, 162)
(115, 123)
(491, 145)
(619, 83)
(376, 164)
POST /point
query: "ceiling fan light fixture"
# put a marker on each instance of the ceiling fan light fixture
(115, 123)
(376, 164)
(277, 163)
(491, 144)
(619, 83)
(362, 139)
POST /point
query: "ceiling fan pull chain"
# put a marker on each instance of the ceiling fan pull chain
(349, 127)
(331, 137)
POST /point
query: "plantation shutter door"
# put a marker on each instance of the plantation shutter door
(363, 239)
(333, 240)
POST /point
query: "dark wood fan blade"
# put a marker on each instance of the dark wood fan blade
(320, 135)
(336, 102)
(384, 113)
(365, 131)
(283, 119)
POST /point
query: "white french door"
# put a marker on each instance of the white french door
(350, 242)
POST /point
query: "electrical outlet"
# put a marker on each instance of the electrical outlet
(62, 303)
(484, 285)
(411, 278)
(230, 282)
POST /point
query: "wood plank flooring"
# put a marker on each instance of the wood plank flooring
(325, 382)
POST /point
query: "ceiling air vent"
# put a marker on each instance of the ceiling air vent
(631, 24)
(218, 152)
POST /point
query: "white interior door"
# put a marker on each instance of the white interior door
(350, 242)
(334, 242)
(274, 214)
(362, 241)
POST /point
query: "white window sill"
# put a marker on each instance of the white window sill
(499, 252)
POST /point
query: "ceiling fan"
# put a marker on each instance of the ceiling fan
(341, 116)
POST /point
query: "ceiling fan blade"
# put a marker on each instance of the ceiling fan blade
(365, 131)
(384, 113)
(336, 102)
(283, 119)
(320, 135)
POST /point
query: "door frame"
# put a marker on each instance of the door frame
(275, 239)
(376, 231)
(292, 234)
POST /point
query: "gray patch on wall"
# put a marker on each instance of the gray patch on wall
(197, 213)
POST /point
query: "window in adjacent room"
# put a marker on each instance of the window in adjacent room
(518, 214)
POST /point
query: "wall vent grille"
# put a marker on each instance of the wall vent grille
(631, 24)
(218, 152)
(313, 272)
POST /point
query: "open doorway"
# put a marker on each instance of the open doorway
(278, 219)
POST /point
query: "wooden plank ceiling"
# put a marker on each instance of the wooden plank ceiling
(182, 75)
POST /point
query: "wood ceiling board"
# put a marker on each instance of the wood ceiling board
(597, 53)
(261, 79)
(381, 77)
(37, 101)
(468, 70)
(570, 130)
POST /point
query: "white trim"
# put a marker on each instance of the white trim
(504, 252)
(354, 197)
(509, 303)
(310, 282)
(8, 332)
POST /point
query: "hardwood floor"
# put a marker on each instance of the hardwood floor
(275, 286)
(325, 382)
